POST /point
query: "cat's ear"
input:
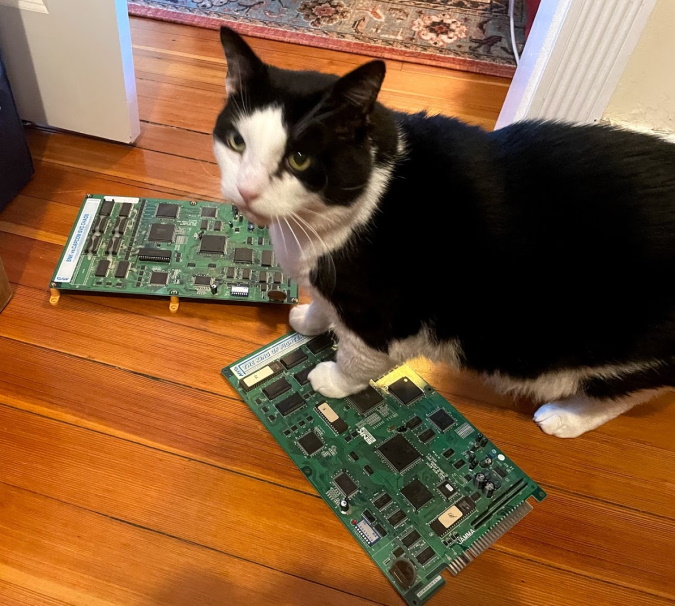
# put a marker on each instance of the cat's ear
(243, 65)
(359, 88)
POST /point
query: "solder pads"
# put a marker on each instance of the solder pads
(424, 490)
(170, 248)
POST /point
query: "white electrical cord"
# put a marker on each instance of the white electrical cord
(514, 46)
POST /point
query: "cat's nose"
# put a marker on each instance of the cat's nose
(248, 195)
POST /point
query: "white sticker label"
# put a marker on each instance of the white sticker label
(268, 355)
(121, 199)
(328, 412)
(76, 243)
(366, 435)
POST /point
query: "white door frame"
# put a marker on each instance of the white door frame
(573, 59)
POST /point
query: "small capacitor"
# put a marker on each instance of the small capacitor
(214, 288)
(489, 489)
(479, 480)
(230, 223)
(473, 463)
(344, 505)
(486, 462)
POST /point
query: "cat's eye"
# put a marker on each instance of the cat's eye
(299, 161)
(236, 141)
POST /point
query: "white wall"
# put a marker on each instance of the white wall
(645, 95)
(70, 65)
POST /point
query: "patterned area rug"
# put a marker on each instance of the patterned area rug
(471, 35)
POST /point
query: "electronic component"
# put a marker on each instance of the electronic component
(310, 443)
(125, 209)
(266, 259)
(290, 404)
(274, 390)
(213, 245)
(411, 538)
(159, 277)
(396, 518)
(202, 281)
(426, 435)
(102, 268)
(441, 419)
(208, 211)
(154, 254)
(302, 377)
(399, 453)
(243, 255)
(320, 343)
(239, 291)
(414, 422)
(424, 556)
(260, 376)
(346, 484)
(405, 390)
(262, 276)
(452, 516)
(161, 232)
(417, 494)
(382, 501)
(167, 211)
(367, 532)
(366, 400)
(122, 269)
(446, 489)
(293, 359)
(403, 573)
(332, 418)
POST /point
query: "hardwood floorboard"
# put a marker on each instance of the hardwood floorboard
(132, 474)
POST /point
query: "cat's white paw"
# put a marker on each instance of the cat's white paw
(306, 321)
(559, 421)
(327, 379)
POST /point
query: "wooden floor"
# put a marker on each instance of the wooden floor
(131, 473)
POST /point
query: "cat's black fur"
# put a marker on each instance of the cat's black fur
(539, 247)
(555, 245)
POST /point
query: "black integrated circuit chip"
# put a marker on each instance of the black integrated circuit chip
(241, 255)
(274, 390)
(448, 453)
(310, 443)
(290, 404)
(102, 268)
(398, 552)
(209, 211)
(106, 208)
(396, 518)
(366, 400)
(426, 435)
(346, 484)
(446, 489)
(159, 277)
(441, 419)
(320, 343)
(417, 494)
(414, 422)
(411, 538)
(213, 244)
(262, 276)
(167, 211)
(202, 281)
(125, 209)
(424, 556)
(245, 273)
(266, 258)
(229, 272)
(369, 470)
(382, 501)
(154, 254)
(405, 391)
(399, 453)
(122, 269)
(302, 377)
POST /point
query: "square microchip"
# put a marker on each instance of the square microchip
(426, 435)
(209, 211)
(399, 453)
(417, 494)
(302, 377)
(161, 232)
(441, 419)
(202, 281)
(366, 400)
(405, 391)
(310, 443)
(411, 538)
(213, 244)
(346, 484)
(242, 255)
(159, 277)
(167, 211)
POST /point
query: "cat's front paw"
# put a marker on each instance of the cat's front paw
(329, 381)
(561, 422)
(306, 320)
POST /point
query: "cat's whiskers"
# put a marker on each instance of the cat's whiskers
(325, 252)
(275, 221)
(300, 249)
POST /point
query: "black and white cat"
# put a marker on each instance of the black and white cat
(541, 255)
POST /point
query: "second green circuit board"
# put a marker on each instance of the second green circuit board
(170, 248)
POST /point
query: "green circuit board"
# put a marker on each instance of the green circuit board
(170, 248)
(419, 487)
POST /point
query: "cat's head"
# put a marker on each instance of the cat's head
(292, 143)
